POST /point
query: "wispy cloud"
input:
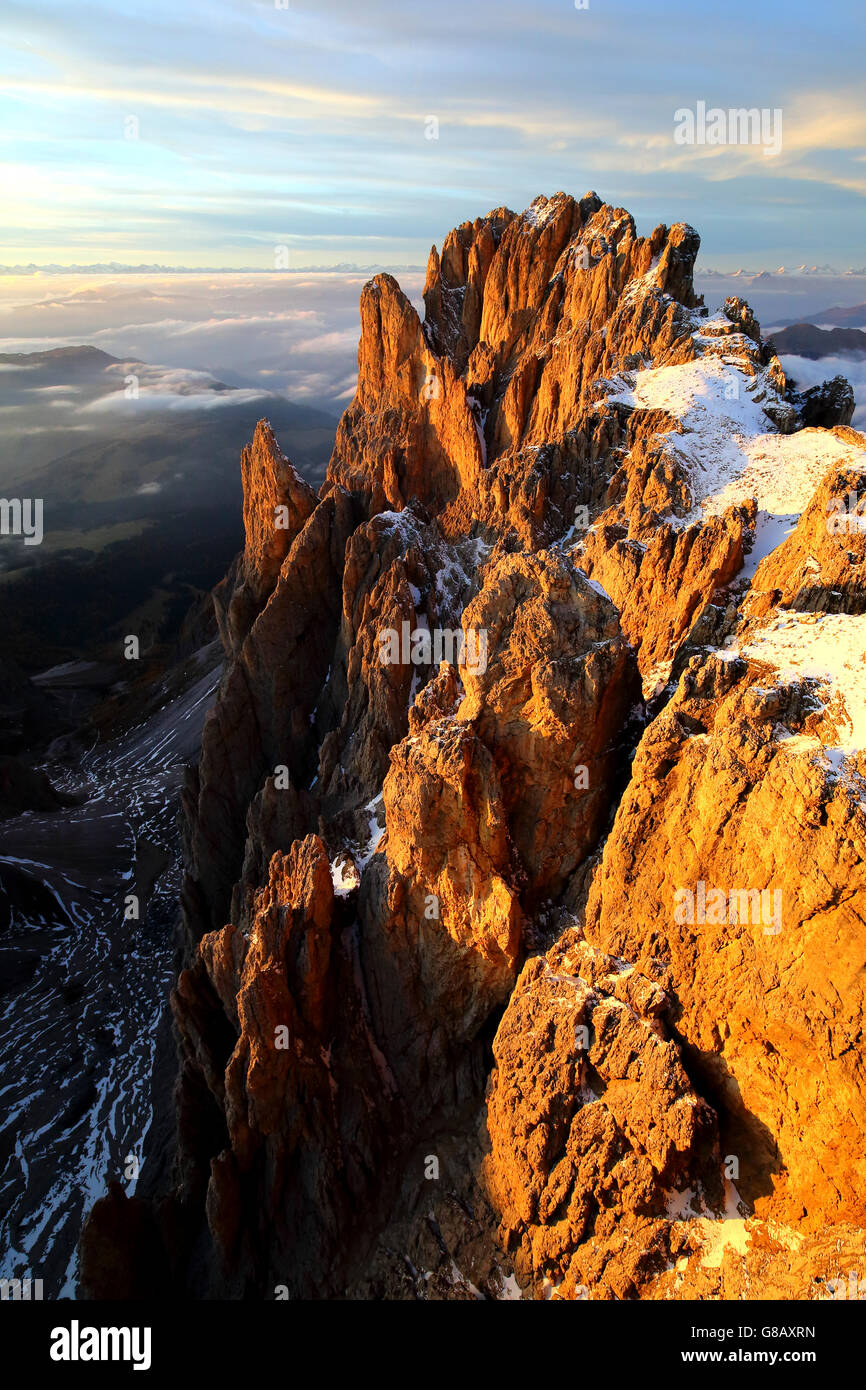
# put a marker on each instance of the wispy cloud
(254, 126)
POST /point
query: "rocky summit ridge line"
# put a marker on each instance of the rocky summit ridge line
(460, 1015)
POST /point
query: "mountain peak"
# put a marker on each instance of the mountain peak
(533, 724)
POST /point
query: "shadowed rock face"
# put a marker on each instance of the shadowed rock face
(429, 908)
(831, 403)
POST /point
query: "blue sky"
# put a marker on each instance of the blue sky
(306, 126)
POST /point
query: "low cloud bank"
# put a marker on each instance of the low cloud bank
(291, 333)
(806, 372)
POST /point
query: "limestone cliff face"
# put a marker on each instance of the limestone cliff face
(769, 995)
(525, 854)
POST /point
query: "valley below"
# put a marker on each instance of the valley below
(84, 982)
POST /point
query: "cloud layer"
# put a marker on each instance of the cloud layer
(296, 335)
(806, 372)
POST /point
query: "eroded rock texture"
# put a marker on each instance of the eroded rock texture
(499, 981)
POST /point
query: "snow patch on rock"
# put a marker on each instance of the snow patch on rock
(828, 647)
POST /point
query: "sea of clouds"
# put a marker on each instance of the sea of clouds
(292, 333)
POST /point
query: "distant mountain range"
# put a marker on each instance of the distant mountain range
(783, 270)
(840, 316)
(807, 340)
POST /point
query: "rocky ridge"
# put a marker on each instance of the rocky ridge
(540, 677)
